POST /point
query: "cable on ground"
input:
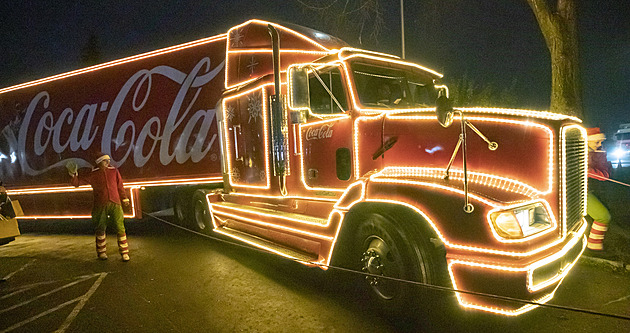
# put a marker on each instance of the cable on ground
(609, 180)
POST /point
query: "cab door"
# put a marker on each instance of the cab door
(326, 138)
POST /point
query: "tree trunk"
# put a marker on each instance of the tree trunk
(559, 29)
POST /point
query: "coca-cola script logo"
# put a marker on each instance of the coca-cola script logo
(323, 132)
(144, 139)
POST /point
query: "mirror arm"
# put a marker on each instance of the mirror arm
(492, 145)
(468, 207)
(450, 163)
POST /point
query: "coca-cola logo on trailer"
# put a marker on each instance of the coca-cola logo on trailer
(50, 129)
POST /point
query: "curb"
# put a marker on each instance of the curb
(617, 265)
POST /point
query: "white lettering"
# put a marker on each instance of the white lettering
(138, 155)
(58, 147)
(189, 145)
(323, 132)
(45, 124)
(86, 140)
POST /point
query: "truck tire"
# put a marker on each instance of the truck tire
(383, 248)
(182, 207)
(201, 220)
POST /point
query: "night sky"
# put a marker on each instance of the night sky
(491, 41)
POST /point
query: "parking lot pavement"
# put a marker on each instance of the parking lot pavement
(180, 282)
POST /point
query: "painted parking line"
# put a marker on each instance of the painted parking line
(27, 287)
(81, 301)
(19, 270)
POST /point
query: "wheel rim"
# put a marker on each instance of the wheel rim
(381, 259)
(201, 215)
(179, 209)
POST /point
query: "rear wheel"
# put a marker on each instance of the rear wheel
(182, 207)
(384, 249)
(201, 215)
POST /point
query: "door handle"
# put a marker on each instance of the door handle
(236, 157)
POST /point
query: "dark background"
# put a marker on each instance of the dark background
(490, 41)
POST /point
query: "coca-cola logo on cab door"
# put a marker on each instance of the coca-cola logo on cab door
(323, 132)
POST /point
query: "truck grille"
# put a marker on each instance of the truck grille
(573, 173)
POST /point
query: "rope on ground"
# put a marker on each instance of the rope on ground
(425, 285)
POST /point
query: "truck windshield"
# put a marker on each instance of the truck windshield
(622, 136)
(393, 88)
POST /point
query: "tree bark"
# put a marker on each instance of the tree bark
(559, 29)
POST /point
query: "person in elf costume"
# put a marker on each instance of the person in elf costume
(598, 171)
(109, 196)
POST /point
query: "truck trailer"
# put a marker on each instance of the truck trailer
(288, 139)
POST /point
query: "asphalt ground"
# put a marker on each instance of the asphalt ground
(178, 281)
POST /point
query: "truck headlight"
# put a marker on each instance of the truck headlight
(619, 153)
(521, 221)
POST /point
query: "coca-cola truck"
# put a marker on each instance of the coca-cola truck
(287, 139)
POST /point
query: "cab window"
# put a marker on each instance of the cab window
(393, 88)
(322, 102)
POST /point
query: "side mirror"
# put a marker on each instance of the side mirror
(299, 101)
(444, 110)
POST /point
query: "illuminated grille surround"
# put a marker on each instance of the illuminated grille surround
(574, 166)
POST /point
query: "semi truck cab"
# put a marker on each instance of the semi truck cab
(343, 160)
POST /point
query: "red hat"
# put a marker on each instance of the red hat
(594, 134)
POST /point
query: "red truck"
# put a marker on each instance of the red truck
(287, 139)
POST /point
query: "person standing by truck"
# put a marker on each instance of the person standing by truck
(598, 171)
(109, 195)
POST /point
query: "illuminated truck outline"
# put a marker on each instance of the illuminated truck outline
(272, 212)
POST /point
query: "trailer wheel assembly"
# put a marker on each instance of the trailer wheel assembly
(384, 249)
(181, 207)
(201, 216)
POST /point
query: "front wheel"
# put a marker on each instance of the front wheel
(384, 249)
